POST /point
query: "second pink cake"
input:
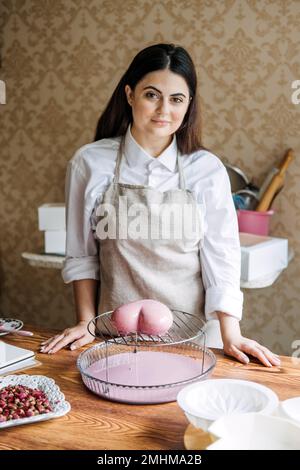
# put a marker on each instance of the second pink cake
(143, 316)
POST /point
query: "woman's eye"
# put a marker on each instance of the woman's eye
(150, 95)
(178, 100)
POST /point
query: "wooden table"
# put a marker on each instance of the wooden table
(94, 423)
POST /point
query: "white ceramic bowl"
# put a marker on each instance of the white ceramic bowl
(254, 431)
(205, 402)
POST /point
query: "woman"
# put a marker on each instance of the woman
(148, 153)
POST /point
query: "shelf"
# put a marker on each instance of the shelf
(43, 260)
(56, 262)
(262, 282)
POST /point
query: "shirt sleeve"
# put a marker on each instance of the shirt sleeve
(220, 251)
(82, 260)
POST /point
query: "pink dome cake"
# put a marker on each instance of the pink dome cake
(143, 316)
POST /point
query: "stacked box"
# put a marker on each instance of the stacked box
(262, 255)
(52, 221)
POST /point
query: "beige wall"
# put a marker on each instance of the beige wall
(61, 61)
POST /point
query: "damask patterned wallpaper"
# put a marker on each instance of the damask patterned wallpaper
(61, 61)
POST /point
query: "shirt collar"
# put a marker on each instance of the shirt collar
(136, 156)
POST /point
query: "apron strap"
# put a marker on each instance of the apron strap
(181, 172)
(118, 162)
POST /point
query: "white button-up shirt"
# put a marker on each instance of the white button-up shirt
(89, 174)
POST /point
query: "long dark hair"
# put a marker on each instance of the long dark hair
(117, 115)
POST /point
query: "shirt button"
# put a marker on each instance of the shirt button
(152, 181)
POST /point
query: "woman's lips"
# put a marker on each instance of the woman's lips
(160, 122)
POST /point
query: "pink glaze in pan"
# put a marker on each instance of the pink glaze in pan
(145, 368)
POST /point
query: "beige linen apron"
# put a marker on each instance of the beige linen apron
(134, 268)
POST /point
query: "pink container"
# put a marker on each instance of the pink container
(254, 221)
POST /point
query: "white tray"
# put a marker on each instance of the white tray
(47, 385)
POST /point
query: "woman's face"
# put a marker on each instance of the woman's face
(159, 102)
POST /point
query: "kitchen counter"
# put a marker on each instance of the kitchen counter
(94, 423)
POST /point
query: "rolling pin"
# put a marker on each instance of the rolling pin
(276, 183)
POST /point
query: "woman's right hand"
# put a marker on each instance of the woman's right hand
(76, 336)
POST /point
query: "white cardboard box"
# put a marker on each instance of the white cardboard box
(52, 216)
(55, 241)
(262, 255)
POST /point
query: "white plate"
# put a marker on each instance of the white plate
(291, 409)
(56, 398)
(10, 324)
(254, 431)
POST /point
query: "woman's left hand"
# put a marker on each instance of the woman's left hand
(236, 345)
(240, 347)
